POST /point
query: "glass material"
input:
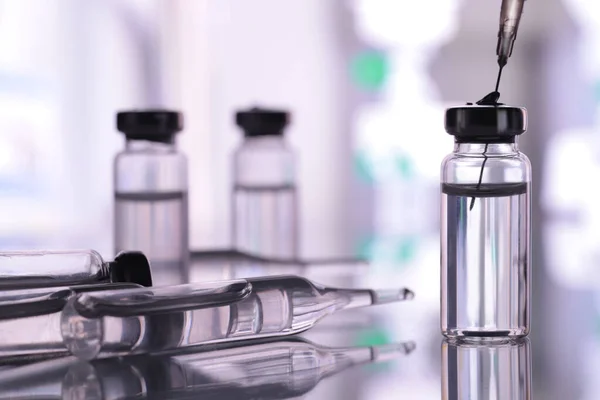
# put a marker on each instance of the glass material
(30, 320)
(35, 380)
(277, 369)
(151, 207)
(485, 241)
(498, 371)
(32, 269)
(233, 264)
(109, 323)
(264, 198)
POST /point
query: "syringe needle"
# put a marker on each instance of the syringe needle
(498, 79)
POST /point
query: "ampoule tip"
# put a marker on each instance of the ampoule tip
(391, 351)
(392, 295)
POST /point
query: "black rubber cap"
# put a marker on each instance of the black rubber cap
(485, 123)
(131, 267)
(153, 125)
(262, 122)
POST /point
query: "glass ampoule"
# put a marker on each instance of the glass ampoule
(133, 321)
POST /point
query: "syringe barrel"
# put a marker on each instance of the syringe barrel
(510, 18)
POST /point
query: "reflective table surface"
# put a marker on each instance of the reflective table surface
(390, 351)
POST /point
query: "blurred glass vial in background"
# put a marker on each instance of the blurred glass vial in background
(151, 193)
(264, 198)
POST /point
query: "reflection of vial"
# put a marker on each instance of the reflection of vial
(487, 371)
(264, 191)
(485, 225)
(151, 189)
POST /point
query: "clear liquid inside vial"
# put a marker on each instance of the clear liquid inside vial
(485, 257)
(265, 220)
(157, 225)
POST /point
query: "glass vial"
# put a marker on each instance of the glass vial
(485, 225)
(264, 198)
(151, 193)
(491, 371)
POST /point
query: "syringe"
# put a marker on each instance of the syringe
(510, 18)
(273, 369)
(32, 269)
(134, 321)
(30, 320)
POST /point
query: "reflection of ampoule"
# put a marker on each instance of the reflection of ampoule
(276, 306)
(273, 369)
(490, 371)
(35, 380)
(30, 269)
(30, 320)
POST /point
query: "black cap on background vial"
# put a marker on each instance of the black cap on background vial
(485, 123)
(131, 267)
(152, 125)
(262, 121)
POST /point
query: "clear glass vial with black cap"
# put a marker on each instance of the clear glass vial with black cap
(264, 199)
(151, 193)
(485, 225)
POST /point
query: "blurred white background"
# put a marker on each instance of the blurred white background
(367, 82)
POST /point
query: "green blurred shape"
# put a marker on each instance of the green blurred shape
(376, 336)
(369, 69)
(363, 167)
(596, 90)
(365, 249)
(373, 337)
(405, 166)
(406, 250)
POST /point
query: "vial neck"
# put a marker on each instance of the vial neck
(149, 146)
(492, 148)
(266, 140)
